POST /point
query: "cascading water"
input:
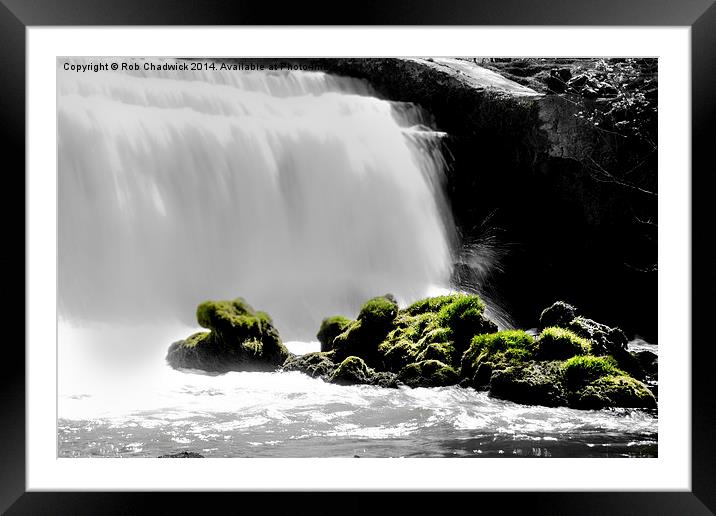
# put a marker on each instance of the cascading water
(306, 195)
(298, 191)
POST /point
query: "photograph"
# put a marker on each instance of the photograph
(437, 256)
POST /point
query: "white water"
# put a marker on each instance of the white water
(298, 191)
(113, 406)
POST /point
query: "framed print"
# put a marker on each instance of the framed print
(418, 251)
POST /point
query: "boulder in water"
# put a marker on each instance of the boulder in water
(319, 364)
(363, 336)
(428, 373)
(354, 371)
(330, 328)
(240, 339)
(182, 455)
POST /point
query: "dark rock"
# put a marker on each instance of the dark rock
(330, 328)
(649, 362)
(428, 373)
(613, 391)
(607, 341)
(558, 314)
(363, 336)
(316, 365)
(577, 82)
(354, 371)
(535, 383)
(557, 79)
(182, 455)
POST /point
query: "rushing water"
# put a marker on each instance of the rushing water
(303, 193)
(127, 402)
(298, 191)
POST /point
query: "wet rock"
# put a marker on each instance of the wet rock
(649, 362)
(354, 371)
(330, 328)
(362, 337)
(558, 314)
(240, 339)
(182, 455)
(316, 365)
(534, 383)
(428, 373)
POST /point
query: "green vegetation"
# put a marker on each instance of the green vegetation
(434, 342)
(428, 373)
(613, 391)
(560, 344)
(499, 350)
(353, 370)
(581, 370)
(330, 328)
(437, 328)
(240, 339)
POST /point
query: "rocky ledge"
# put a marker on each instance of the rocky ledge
(435, 342)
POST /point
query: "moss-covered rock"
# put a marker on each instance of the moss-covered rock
(465, 318)
(428, 373)
(581, 370)
(437, 328)
(558, 314)
(613, 391)
(533, 383)
(320, 364)
(605, 339)
(362, 337)
(354, 371)
(493, 351)
(559, 344)
(582, 381)
(330, 328)
(240, 339)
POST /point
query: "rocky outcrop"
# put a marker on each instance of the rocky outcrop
(240, 339)
(435, 342)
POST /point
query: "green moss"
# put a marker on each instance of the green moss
(428, 373)
(613, 391)
(330, 328)
(534, 383)
(240, 339)
(398, 354)
(319, 364)
(196, 339)
(560, 344)
(213, 314)
(352, 370)
(583, 369)
(431, 304)
(500, 349)
(464, 308)
(379, 311)
(465, 319)
(442, 351)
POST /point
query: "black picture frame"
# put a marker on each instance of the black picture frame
(699, 15)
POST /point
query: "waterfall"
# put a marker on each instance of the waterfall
(302, 192)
